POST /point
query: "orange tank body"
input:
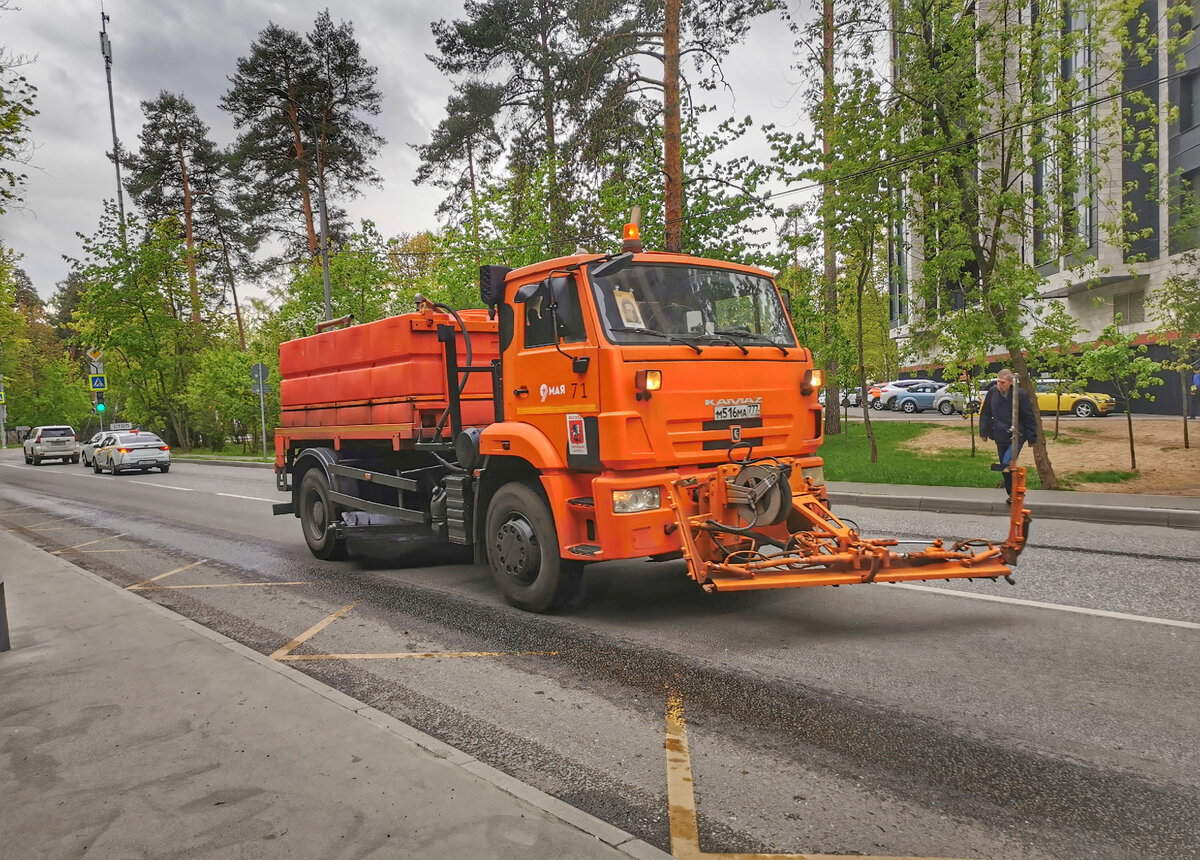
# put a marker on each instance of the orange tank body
(389, 375)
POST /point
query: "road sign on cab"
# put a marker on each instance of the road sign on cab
(99, 382)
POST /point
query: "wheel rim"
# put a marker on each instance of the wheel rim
(1084, 410)
(517, 550)
(316, 515)
(910, 407)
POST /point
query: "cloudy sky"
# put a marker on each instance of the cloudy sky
(192, 47)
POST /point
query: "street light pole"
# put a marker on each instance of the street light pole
(106, 50)
(3, 404)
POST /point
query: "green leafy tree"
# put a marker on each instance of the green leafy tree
(302, 106)
(176, 166)
(1052, 353)
(1177, 308)
(136, 306)
(1118, 359)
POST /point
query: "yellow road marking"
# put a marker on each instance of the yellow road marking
(212, 585)
(681, 800)
(312, 631)
(146, 582)
(681, 797)
(88, 543)
(408, 655)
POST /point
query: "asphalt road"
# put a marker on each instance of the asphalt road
(881, 720)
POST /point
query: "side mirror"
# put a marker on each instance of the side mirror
(612, 266)
(528, 291)
(564, 302)
(786, 295)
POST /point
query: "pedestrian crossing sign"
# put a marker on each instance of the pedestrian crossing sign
(1, 396)
(99, 382)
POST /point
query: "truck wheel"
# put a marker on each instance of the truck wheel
(316, 513)
(522, 550)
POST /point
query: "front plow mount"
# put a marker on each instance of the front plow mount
(758, 525)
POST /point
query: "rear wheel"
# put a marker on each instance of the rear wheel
(165, 468)
(1085, 409)
(74, 459)
(877, 404)
(37, 461)
(522, 550)
(910, 406)
(946, 407)
(317, 515)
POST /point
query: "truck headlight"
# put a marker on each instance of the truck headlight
(814, 475)
(632, 501)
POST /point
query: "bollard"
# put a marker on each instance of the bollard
(4, 643)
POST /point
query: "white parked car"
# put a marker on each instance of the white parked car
(53, 442)
(87, 450)
(129, 450)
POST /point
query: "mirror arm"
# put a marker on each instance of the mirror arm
(579, 364)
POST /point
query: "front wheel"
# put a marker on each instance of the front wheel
(96, 466)
(317, 515)
(522, 550)
(946, 407)
(1085, 409)
(910, 406)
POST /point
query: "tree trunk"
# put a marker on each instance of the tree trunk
(1132, 453)
(237, 308)
(833, 419)
(1183, 390)
(557, 221)
(188, 237)
(672, 156)
(862, 370)
(1041, 458)
(302, 173)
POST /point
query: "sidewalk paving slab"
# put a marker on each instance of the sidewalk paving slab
(127, 730)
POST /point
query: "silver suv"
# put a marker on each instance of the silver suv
(53, 442)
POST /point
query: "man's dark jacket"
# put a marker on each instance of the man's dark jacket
(995, 419)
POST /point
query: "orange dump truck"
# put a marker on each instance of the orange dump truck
(603, 407)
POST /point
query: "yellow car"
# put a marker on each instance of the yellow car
(1084, 404)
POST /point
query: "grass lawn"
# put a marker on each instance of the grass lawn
(848, 458)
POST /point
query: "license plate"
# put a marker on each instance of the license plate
(734, 411)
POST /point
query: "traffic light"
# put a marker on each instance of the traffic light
(100, 403)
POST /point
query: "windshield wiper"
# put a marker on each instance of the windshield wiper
(724, 338)
(671, 337)
(732, 332)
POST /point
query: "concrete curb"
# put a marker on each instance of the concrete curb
(216, 462)
(1114, 515)
(601, 830)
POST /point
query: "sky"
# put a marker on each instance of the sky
(192, 48)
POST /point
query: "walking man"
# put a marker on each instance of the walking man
(995, 422)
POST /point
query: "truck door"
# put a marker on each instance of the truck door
(551, 373)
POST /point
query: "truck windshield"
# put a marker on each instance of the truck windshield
(663, 303)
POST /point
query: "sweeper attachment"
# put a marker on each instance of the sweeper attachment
(758, 524)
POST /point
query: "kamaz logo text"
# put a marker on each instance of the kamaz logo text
(732, 401)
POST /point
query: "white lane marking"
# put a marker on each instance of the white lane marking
(15, 466)
(1016, 601)
(251, 498)
(164, 486)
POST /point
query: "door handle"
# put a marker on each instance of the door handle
(523, 391)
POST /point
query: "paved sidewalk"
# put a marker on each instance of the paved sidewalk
(129, 731)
